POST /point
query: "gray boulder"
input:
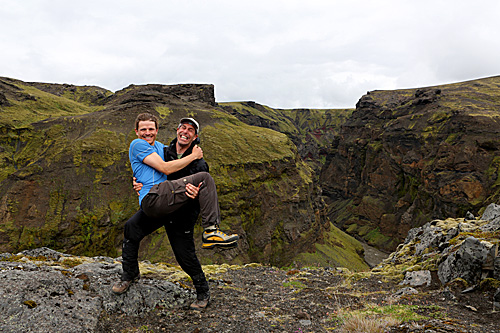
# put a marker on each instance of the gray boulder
(73, 299)
(491, 212)
(418, 278)
(430, 237)
(465, 263)
(496, 298)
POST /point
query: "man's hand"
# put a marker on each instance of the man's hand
(197, 152)
(192, 191)
(137, 186)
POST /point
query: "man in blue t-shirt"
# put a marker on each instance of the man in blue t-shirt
(159, 197)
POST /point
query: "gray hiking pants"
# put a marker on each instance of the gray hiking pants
(165, 198)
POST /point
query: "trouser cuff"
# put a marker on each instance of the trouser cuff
(200, 283)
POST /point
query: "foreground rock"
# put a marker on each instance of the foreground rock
(43, 291)
(46, 291)
(459, 252)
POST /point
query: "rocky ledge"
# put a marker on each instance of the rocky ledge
(72, 292)
(463, 253)
(443, 278)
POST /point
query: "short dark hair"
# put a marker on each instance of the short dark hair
(146, 117)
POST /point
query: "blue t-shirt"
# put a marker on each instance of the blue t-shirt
(145, 174)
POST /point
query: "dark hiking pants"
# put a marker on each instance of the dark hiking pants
(180, 235)
(167, 197)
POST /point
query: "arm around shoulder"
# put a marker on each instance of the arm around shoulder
(155, 161)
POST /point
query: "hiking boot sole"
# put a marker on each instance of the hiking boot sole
(222, 245)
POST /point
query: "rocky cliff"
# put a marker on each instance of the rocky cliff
(408, 156)
(288, 179)
(65, 176)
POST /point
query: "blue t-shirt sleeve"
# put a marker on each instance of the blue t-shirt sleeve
(139, 149)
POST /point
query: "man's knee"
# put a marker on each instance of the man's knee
(131, 232)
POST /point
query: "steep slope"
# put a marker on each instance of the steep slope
(65, 180)
(408, 156)
(311, 130)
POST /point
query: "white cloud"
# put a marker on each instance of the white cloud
(279, 53)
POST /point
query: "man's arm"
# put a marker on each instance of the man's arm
(155, 161)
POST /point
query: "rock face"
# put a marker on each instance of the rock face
(43, 290)
(466, 262)
(71, 154)
(452, 248)
(405, 157)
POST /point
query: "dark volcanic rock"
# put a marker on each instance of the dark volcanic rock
(408, 156)
(52, 291)
(465, 263)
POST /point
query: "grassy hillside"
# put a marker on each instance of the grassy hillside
(67, 147)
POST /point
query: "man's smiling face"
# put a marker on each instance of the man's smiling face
(186, 134)
(147, 130)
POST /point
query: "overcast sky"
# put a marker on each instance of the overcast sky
(284, 54)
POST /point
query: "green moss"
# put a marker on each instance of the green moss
(39, 105)
(375, 238)
(491, 236)
(432, 263)
(338, 249)
(92, 238)
(459, 283)
(452, 138)
(438, 117)
(86, 94)
(102, 146)
(259, 145)
(163, 111)
(489, 284)
(493, 171)
(12, 258)
(402, 312)
(71, 262)
(408, 184)
(351, 228)
(376, 145)
(30, 304)
(294, 284)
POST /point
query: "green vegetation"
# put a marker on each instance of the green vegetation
(294, 284)
(338, 249)
(30, 304)
(71, 262)
(37, 105)
(163, 111)
(254, 144)
(266, 113)
(373, 318)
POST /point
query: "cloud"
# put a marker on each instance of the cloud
(285, 54)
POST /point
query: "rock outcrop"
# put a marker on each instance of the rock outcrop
(408, 156)
(42, 290)
(450, 251)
